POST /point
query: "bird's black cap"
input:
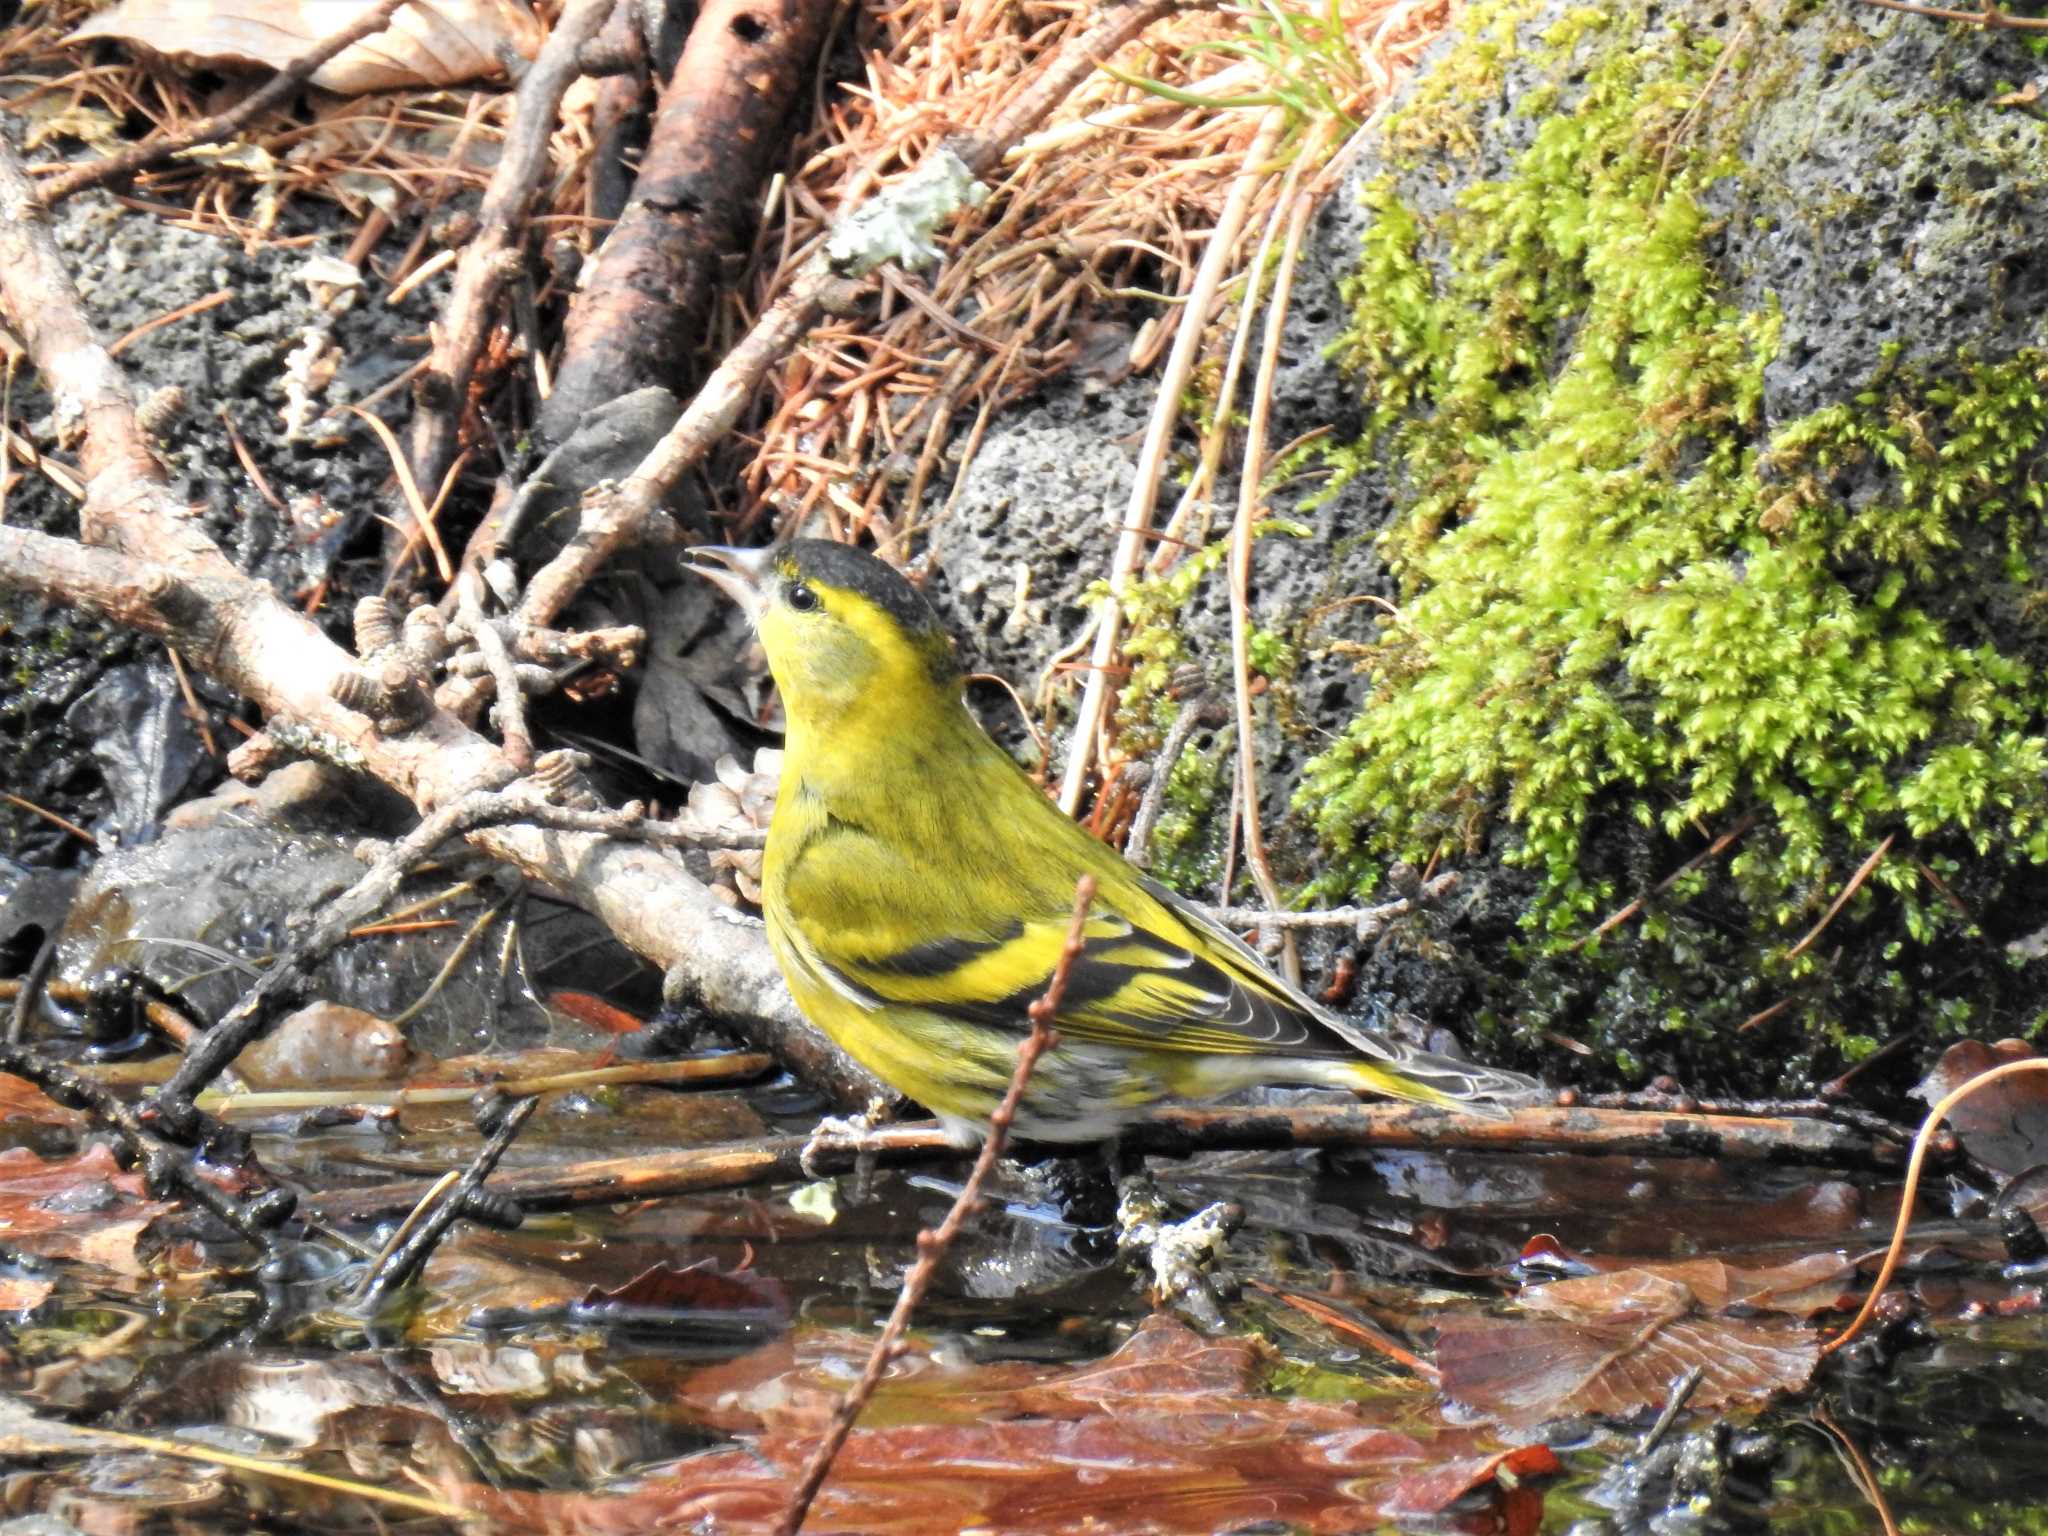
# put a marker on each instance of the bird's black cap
(853, 570)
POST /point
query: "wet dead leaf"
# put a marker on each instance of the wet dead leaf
(431, 42)
(82, 1208)
(18, 1293)
(1612, 1344)
(696, 1288)
(1171, 1432)
(23, 1103)
(2006, 1125)
(1814, 1282)
(1432, 1490)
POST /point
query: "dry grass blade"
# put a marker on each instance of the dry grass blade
(1255, 171)
(1112, 198)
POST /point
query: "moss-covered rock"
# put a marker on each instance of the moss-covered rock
(1691, 368)
(1682, 544)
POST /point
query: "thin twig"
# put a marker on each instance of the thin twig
(165, 1172)
(497, 657)
(1682, 1389)
(403, 1259)
(1346, 1321)
(1366, 922)
(1713, 850)
(932, 1244)
(1178, 1131)
(492, 256)
(209, 130)
(734, 1067)
(1855, 884)
(52, 818)
(1858, 1468)
(1138, 841)
(28, 994)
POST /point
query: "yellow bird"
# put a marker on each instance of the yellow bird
(918, 889)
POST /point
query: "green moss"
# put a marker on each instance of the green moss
(1622, 601)
(1438, 115)
(1185, 851)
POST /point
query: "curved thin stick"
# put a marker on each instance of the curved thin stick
(1920, 1143)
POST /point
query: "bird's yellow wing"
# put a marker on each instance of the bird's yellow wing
(1156, 975)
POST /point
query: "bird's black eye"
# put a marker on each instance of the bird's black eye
(803, 599)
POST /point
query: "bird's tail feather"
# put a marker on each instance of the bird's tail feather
(1423, 1077)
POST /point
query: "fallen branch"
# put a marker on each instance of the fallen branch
(1181, 1132)
(163, 576)
(933, 1243)
(492, 256)
(210, 130)
(697, 1071)
(174, 581)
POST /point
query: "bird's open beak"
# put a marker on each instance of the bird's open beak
(741, 574)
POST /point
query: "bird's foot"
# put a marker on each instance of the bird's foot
(1180, 1255)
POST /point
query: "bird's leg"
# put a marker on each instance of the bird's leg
(848, 1133)
(1179, 1254)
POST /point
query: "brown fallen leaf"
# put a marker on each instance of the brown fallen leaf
(700, 1287)
(1813, 1282)
(83, 1208)
(1611, 1344)
(430, 42)
(2006, 1125)
(19, 1293)
(1431, 1491)
(1171, 1433)
(23, 1103)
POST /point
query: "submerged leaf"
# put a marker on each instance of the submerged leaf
(1612, 1344)
(2004, 1126)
